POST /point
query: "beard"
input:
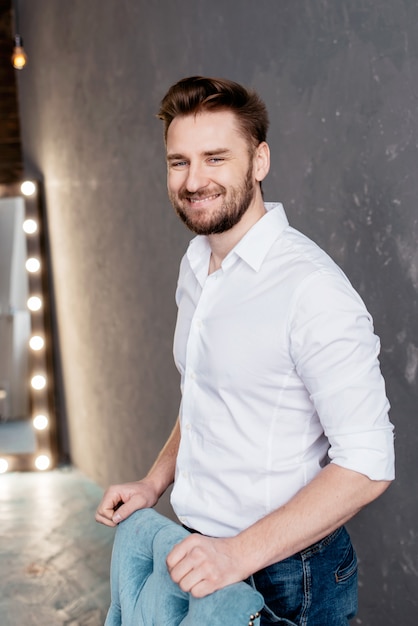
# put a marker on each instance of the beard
(202, 222)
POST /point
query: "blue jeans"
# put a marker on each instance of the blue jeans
(316, 587)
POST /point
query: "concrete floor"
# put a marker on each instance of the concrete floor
(54, 557)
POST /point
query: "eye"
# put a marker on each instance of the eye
(178, 164)
(216, 160)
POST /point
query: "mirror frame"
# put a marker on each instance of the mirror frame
(41, 401)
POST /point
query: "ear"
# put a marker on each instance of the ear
(261, 161)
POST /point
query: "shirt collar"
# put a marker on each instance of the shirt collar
(252, 248)
(256, 243)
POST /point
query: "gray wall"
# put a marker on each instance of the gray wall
(339, 79)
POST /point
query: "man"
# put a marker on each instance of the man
(283, 433)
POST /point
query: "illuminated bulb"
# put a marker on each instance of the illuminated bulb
(19, 56)
(42, 462)
(33, 265)
(40, 422)
(30, 226)
(36, 342)
(38, 381)
(34, 303)
(4, 466)
(28, 188)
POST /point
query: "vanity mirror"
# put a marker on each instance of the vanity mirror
(27, 419)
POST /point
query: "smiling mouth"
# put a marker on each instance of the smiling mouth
(202, 200)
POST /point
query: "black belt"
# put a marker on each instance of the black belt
(191, 530)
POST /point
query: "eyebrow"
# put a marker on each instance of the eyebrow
(207, 153)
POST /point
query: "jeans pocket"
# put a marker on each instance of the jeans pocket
(348, 566)
(282, 586)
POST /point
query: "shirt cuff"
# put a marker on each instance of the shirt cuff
(371, 453)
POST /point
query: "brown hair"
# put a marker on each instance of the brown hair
(199, 94)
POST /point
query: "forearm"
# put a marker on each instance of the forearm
(120, 501)
(202, 564)
(161, 474)
(321, 507)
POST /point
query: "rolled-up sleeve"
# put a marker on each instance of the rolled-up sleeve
(336, 355)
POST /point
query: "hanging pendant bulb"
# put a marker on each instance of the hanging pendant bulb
(19, 56)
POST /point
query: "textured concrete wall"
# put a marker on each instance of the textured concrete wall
(339, 79)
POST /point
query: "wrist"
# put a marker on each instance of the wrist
(242, 555)
(251, 550)
(156, 484)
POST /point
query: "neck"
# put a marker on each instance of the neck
(221, 244)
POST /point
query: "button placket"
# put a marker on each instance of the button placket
(196, 327)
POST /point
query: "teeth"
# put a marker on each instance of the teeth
(202, 199)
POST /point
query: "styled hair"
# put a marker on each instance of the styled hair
(198, 94)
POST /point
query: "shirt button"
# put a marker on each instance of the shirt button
(192, 375)
(199, 323)
(188, 426)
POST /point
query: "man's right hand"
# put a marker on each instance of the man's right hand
(120, 501)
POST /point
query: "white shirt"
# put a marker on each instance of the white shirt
(279, 375)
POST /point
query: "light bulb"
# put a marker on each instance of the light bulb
(30, 226)
(28, 188)
(38, 382)
(42, 462)
(40, 422)
(34, 303)
(19, 56)
(36, 342)
(33, 265)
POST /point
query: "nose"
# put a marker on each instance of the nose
(196, 177)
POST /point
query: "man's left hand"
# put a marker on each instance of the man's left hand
(201, 565)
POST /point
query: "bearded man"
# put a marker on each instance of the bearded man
(283, 433)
